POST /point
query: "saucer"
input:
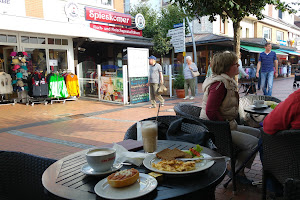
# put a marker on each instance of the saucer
(86, 169)
(263, 106)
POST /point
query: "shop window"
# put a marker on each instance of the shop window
(267, 33)
(64, 42)
(33, 40)
(37, 59)
(41, 41)
(58, 41)
(279, 35)
(24, 39)
(2, 38)
(50, 41)
(11, 39)
(58, 59)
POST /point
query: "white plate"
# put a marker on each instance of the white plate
(200, 166)
(86, 169)
(146, 185)
(260, 107)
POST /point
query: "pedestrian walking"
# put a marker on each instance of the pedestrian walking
(189, 80)
(155, 78)
(266, 62)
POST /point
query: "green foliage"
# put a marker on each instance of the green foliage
(150, 17)
(236, 10)
(179, 82)
(233, 9)
(157, 26)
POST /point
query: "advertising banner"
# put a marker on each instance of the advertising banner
(94, 14)
(116, 30)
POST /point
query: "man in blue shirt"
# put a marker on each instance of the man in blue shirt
(266, 62)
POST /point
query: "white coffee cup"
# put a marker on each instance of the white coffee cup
(101, 159)
(259, 103)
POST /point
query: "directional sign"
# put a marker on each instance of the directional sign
(178, 38)
(178, 25)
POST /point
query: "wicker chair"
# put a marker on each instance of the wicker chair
(188, 126)
(21, 175)
(220, 130)
(165, 121)
(281, 156)
(292, 189)
(249, 100)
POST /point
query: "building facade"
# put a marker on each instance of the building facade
(71, 36)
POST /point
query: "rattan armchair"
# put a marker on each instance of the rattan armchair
(292, 189)
(187, 126)
(249, 100)
(220, 130)
(164, 122)
(281, 156)
(21, 175)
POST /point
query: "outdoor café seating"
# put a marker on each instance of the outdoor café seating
(281, 158)
(21, 175)
(292, 189)
(247, 101)
(220, 130)
(187, 126)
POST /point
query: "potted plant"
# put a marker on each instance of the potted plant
(179, 86)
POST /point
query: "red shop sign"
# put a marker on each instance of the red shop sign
(93, 14)
(116, 30)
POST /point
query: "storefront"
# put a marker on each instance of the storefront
(42, 50)
(88, 38)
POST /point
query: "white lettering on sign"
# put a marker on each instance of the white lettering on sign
(98, 16)
(5, 1)
(94, 14)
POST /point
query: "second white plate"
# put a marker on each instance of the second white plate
(146, 184)
(200, 166)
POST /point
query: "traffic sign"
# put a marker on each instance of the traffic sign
(178, 25)
(178, 38)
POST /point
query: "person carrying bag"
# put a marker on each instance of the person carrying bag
(190, 71)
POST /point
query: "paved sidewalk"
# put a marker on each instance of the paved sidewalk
(58, 130)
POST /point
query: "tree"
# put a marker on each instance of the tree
(236, 10)
(157, 25)
(150, 16)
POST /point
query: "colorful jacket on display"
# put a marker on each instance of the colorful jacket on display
(72, 85)
(39, 84)
(57, 86)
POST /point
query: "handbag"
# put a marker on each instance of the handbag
(195, 74)
(162, 88)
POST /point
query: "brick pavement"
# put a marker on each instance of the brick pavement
(58, 130)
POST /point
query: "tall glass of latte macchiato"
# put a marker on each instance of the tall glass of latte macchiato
(149, 134)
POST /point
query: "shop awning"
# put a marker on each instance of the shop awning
(259, 50)
(35, 25)
(252, 49)
(290, 52)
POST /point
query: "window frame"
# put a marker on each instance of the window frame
(270, 33)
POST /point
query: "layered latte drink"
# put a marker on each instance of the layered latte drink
(149, 134)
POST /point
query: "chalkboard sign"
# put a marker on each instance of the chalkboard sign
(139, 92)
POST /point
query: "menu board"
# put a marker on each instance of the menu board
(139, 92)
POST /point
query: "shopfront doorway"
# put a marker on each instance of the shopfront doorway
(5, 58)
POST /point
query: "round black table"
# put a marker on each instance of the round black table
(64, 178)
(260, 111)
